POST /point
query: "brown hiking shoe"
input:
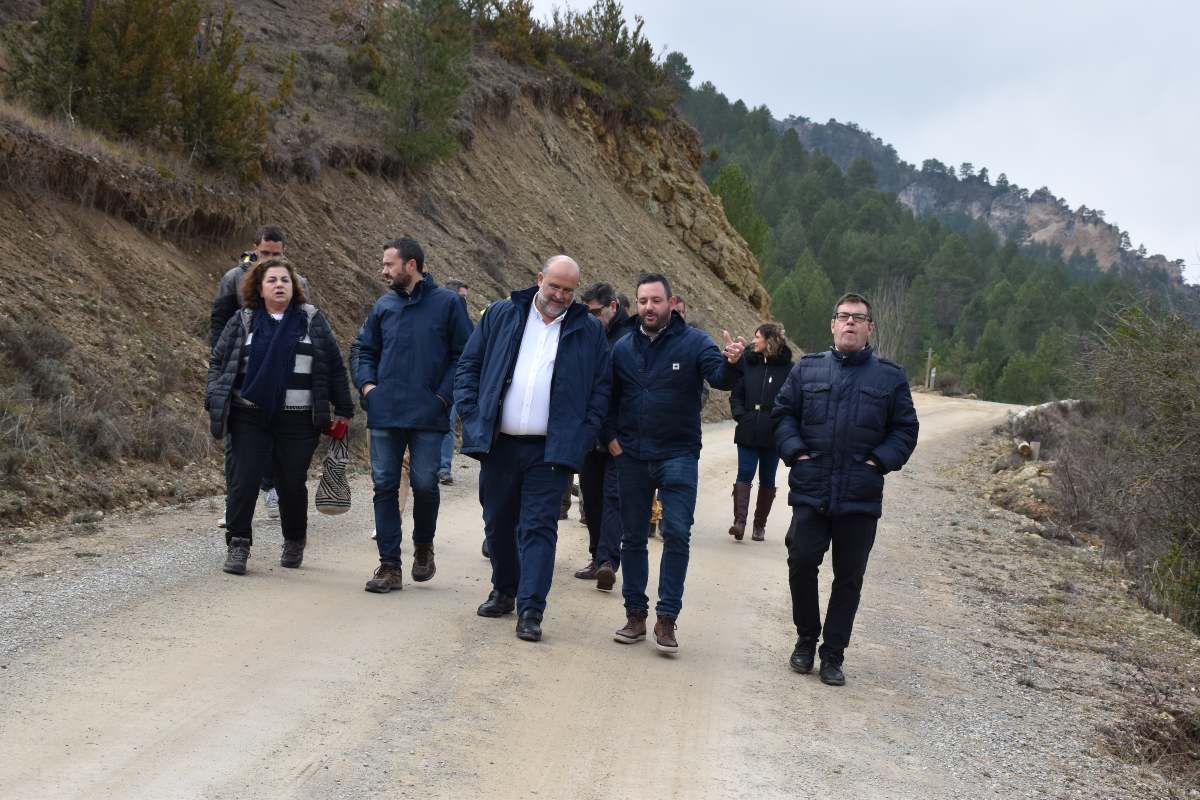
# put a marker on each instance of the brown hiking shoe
(664, 635)
(389, 576)
(239, 553)
(423, 566)
(606, 576)
(588, 573)
(293, 553)
(634, 630)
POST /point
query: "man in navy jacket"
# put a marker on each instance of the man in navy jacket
(653, 433)
(407, 350)
(532, 390)
(844, 418)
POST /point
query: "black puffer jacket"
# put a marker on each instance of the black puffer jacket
(329, 381)
(753, 396)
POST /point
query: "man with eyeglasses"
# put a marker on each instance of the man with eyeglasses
(844, 418)
(598, 480)
(532, 390)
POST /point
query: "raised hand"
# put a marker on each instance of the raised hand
(733, 349)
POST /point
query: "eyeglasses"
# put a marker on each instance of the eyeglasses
(843, 316)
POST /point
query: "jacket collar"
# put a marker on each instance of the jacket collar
(673, 327)
(421, 288)
(853, 359)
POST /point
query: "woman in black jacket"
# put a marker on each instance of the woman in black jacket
(766, 367)
(272, 377)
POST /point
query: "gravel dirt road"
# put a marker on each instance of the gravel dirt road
(132, 667)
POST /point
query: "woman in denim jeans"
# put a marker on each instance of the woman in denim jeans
(765, 368)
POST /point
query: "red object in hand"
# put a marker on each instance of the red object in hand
(336, 429)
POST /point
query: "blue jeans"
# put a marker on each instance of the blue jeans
(387, 456)
(764, 459)
(447, 460)
(520, 494)
(675, 479)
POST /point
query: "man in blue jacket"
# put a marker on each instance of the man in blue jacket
(407, 351)
(532, 390)
(653, 433)
(843, 419)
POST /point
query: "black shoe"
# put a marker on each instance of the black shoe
(497, 605)
(487, 553)
(803, 656)
(238, 554)
(831, 674)
(529, 626)
(588, 573)
(293, 553)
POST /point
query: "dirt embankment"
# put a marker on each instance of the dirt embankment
(114, 254)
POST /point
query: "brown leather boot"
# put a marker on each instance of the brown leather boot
(762, 510)
(634, 630)
(741, 504)
(664, 635)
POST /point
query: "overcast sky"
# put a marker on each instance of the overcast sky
(1098, 100)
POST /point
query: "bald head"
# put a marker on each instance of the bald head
(557, 283)
(561, 265)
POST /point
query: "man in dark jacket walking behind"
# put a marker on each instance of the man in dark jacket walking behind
(598, 480)
(407, 350)
(844, 418)
(532, 390)
(653, 434)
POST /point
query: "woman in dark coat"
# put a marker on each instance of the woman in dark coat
(272, 377)
(766, 366)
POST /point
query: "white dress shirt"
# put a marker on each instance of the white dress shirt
(526, 407)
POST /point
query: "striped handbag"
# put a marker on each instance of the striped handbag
(333, 492)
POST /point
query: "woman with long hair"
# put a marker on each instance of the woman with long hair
(272, 378)
(766, 366)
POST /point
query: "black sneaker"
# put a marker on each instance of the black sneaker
(831, 674)
(803, 655)
(389, 576)
(237, 556)
(529, 626)
(293, 553)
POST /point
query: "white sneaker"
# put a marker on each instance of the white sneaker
(272, 503)
(221, 522)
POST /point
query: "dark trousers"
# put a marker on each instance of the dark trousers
(809, 536)
(266, 484)
(387, 470)
(763, 459)
(601, 492)
(284, 445)
(520, 494)
(675, 480)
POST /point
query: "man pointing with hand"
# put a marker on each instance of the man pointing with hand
(653, 433)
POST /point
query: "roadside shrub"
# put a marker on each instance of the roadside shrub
(163, 72)
(1131, 471)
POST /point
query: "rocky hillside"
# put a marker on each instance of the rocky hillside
(113, 256)
(1011, 211)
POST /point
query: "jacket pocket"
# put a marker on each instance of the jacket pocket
(816, 403)
(864, 482)
(872, 408)
(808, 476)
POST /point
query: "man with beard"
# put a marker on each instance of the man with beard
(408, 349)
(653, 433)
(598, 480)
(532, 390)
